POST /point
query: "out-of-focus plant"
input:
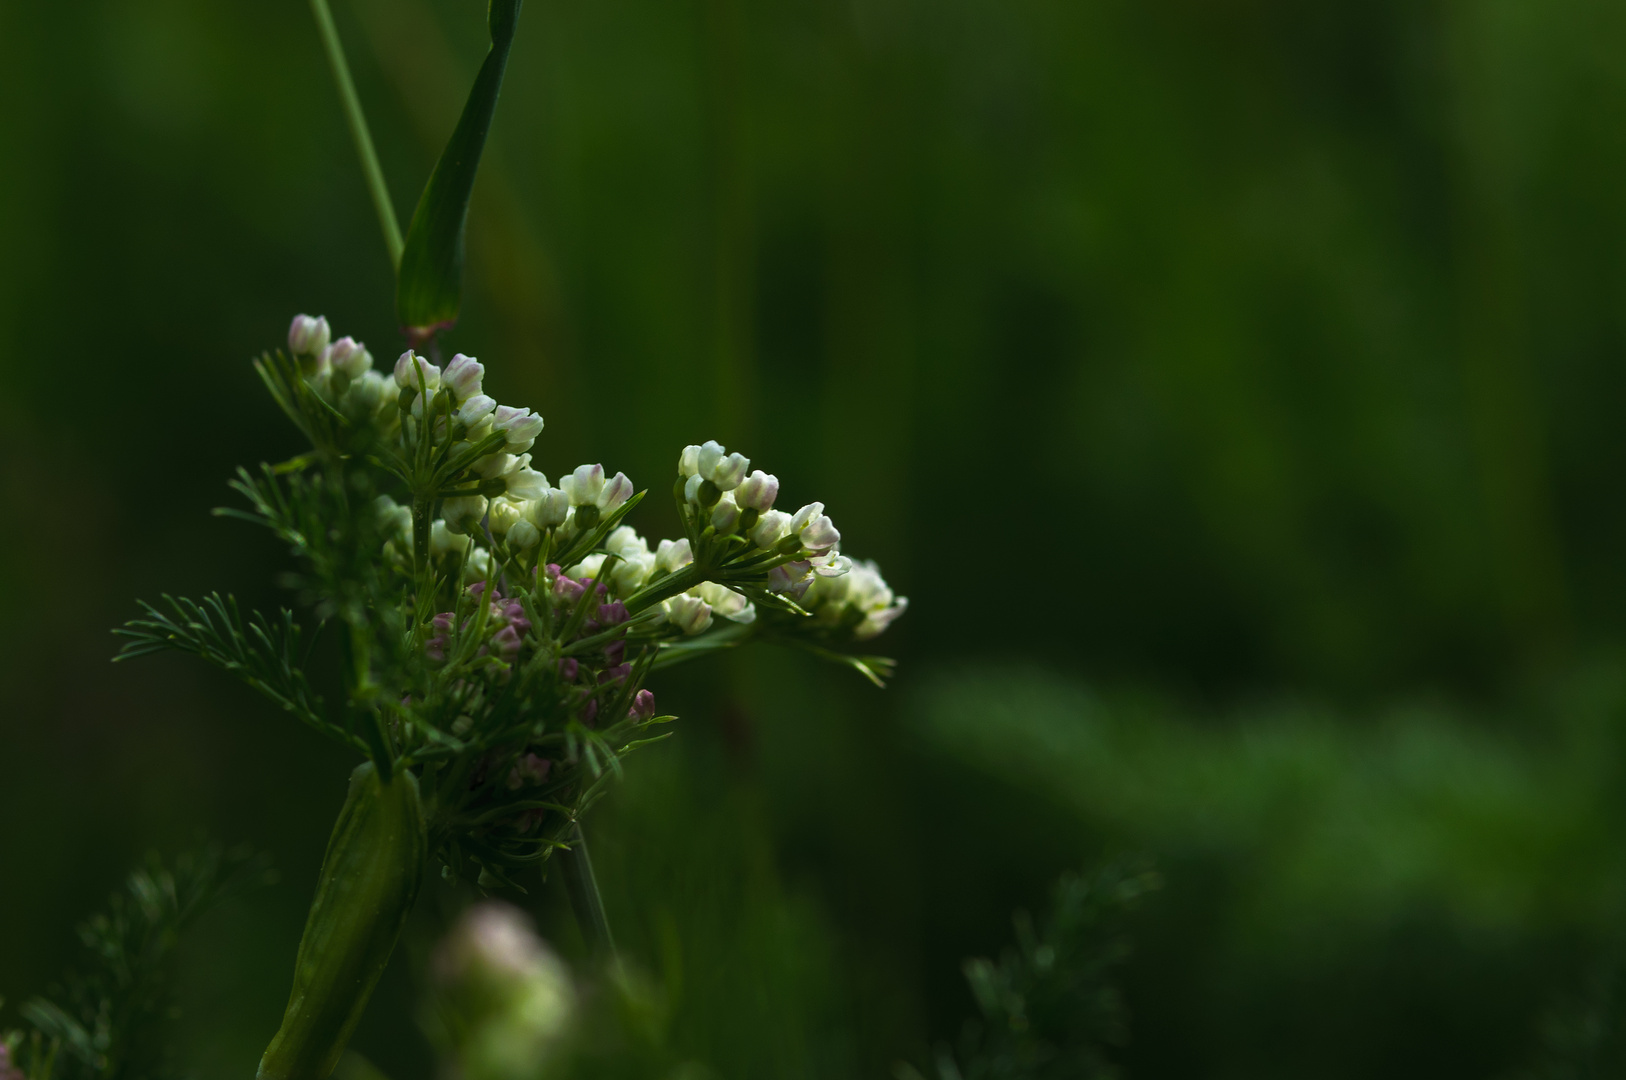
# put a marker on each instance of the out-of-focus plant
(1049, 1007)
(503, 1006)
(495, 630)
(106, 1020)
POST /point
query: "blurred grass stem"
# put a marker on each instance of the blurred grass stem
(586, 900)
(358, 131)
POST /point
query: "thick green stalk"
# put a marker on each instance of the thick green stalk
(374, 172)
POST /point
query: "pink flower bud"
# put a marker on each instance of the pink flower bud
(617, 490)
(688, 613)
(522, 426)
(643, 706)
(410, 367)
(462, 376)
(773, 527)
(757, 492)
(584, 485)
(308, 336)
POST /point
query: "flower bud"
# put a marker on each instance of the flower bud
(584, 485)
(308, 336)
(526, 484)
(727, 603)
(689, 461)
(691, 488)
(442, 541)
(588, 567)
(688, 613)
(626, 543)
(462, 376)
(349, 357)
(529, 769)
(411, 367)
(495, 465)
(643, 706)
(730, 471)
(463, 512)
(757, 492)
(503, 515)
(707, 457)
(550, 509)
(617, 490)
(631, 572)
(522, 426)
(726, 514)
(672, 555)
(367, 394)
(772, 528)
(394, 519)
(477, 567)
(475, 409)
(792, 579)
(523, 536)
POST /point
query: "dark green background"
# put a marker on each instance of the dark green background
(1234, 386)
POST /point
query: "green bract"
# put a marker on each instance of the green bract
(370, 879)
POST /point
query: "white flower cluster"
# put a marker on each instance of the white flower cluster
(637, 565)
(720, 494)
(729, 510)
(859, 601)
(341, 371)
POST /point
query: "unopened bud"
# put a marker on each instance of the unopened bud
(522, 426)
(442, 541)
(503, 515)
(671, 555)
(463, 512)
(550, 509)
(462, 376)
(475, 409)
(689, 614)
(726, 514)
(617, 490)
(308, 335)
(411, 369)
(584, 485)
(773, 527)
(757, 492)
(349, 357)
(689, 461)
(523, 536)
(526, 484)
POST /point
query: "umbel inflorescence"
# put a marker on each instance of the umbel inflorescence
(498, 629)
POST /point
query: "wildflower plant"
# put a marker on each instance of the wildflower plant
(496, 628)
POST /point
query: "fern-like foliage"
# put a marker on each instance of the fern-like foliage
(104, 1021)
(269, 655)
(1050, 1008)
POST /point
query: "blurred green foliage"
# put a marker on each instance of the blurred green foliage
(1254, 363)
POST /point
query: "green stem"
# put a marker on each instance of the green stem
(667, 587)
(358, 131)
(585, 898)
(423, 507)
